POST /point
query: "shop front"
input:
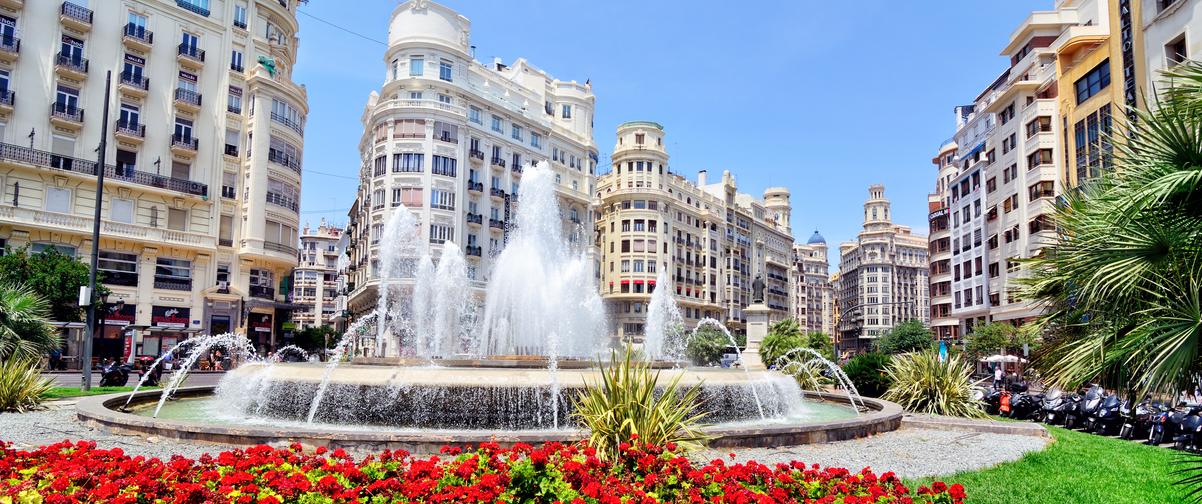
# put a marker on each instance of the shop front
(168, 327)
(114, 339)
(260, 327)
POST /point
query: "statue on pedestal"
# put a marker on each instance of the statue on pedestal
(757, 289)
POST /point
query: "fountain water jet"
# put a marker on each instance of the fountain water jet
(237, 344)
(719, 325)
(336, 357)
(664, 332)
(791, 359)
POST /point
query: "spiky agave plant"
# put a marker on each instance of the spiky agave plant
(923, 383)
(22, 386)
(628, 400)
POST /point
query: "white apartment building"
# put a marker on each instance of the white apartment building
(448, 137)
(199, 211)
(943, 324)
(883, 277)
(813, 299)
(315, 279)
(710, 239)
(1172, 33)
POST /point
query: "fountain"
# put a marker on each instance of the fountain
(451, 364)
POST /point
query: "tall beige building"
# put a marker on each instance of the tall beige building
(939, 245)
(202, 170)
(710, 239)
(883, 277)
(448, 137)
(315, 279)
(813, 301)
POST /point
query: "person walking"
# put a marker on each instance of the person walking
(997, 377)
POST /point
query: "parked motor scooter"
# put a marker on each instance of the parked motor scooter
(114, 375)
(1052, 409)
(1106, 419)
(1137, 421)
(151, 375)
(1167, 424)
(1189, 431)
(1072, 412)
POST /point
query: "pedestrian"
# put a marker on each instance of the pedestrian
(997, 377)
(56, 359)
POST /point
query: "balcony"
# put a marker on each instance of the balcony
(191, 57)
(262, 292)
(497, 192)
(79, 224)
(12, 4)
(475, 186)
(282, 159)
(290, 123)
(229, 192)
(10, 48)
(497, 162)
(473, 250)
(178, 284)
(447, 137)
(137, 37)
(240, 24)
(475, 218)
(133, 85)
(516, 169)
(497, 224)
(66, 116)
(187, 100)
(46, 160)
(7, 98)
(184, 145)
(131, 132)
(192, 6)
(71, 67)
(234, 108)
(237, 68)
(283, 201)
(123, 278)
(476, 154)
(75, 17)
(276, 247)
(231, 150)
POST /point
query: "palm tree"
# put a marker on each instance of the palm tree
(24, 331)
(1122, 283)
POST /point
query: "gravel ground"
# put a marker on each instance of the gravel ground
(909, 452)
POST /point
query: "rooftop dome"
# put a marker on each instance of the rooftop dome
(425, 22)
(816, 239)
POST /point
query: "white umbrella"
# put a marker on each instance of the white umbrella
(1002, 358)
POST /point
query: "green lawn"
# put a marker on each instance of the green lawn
(63, 392)
(1077, 468)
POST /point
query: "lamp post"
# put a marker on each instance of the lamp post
(87, 293)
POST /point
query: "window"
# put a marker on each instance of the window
(188, 43)
(129, 118)
(446, 132)
(1044, 189)
(232, 142)
(284, 113)
(175, 271)
(408, 128)
(536, 140)
(440, 233)
(444, 70)
(279, 234)
(1039, 157)
(443, 199)
(233, 102)
(183, 130)
(127, 162)
(415, 65)
(991, 185)
(567, 111)
(497, 124)
(1041, 124)
(236, 60)
(71, 51)
(58, 200)
(516, 132)
(1176, 52)
(474, 115)
(415, 95)
(411, 197)
(122, 210)
(177, 219)
(1093, 82)
(240, 15)
(407, 162)
(66, 100)
(119, 268)
(443, 165)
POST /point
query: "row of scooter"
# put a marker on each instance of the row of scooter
(1105, 413)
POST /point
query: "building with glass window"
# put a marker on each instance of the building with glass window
(710, 239)
(199, 212)
(883, 277)
(939, 241)
(813, 299)
(1171, 35)
(448, 137)
(315, 279)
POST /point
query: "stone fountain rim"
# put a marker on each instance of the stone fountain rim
(103, 411)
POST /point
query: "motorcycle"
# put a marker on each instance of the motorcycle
(114, 375)
(1137, 421)
(1054, 407)
(1167, 424)
(1106, 418)
(151, 375)
(1072, 410)
(993, 401)
(1026, 406)
(1189, 431)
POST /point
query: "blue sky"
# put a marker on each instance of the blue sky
(824, 98)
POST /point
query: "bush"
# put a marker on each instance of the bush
(867, 373)
(922, 383)
(22, 386)
(706, 346)
(906, 337)
(79, 472)
(24, 331)
(808, 373)
(627, 403)
(776, 345)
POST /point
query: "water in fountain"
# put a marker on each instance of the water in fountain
(336, 357)
(398, 260)
(664, 332)
(451, 319)
(416, 340)
(798, 357)
(542, 298)
(147, 374)
(710, 322)
(236, 344)
(279, 355)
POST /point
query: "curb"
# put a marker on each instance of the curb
(971, 425)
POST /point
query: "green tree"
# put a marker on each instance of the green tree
(991, 338)
(822, 342)
(706, 346)
(54, 276)
(313, 339)
(867, 373)
(905, 337)
(782, 337)
(24, 331)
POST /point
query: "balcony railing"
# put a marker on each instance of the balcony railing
(71, 62)
(126, 278)
(185, 142)
(231, 150)
(68, 112)
(7, 97)
(496, 161)
(291, 124)
(76, 12)
(497, 192)
(475, 218)
(191, 5)
(43, 159)
(475, 186)
(173, 284)
(9, 43)
(137, 81)
(280, 158)
(188, 96)
(283, 201)
(240, 24)
(516, 169)
(496, 223)
(139, 33)
(476, 153)
(262, 292)
(192, 52)
(276, 247)
(447, 137)
(131, 128)
(474, 250)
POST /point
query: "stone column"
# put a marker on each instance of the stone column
(757, 329)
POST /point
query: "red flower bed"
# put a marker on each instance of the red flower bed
(79, 472)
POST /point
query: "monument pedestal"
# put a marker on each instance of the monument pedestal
(757, 329)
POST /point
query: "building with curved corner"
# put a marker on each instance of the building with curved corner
(448, 137)
(939, 240)
(711, 239)
(315, 279)
(205, 137)
(813, 294)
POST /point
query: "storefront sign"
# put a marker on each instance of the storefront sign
(1127, 37)
(260, 322)
(169, 316)
(123, 317)
(129, 348)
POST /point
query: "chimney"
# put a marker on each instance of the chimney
(497, 64)
(701, 175)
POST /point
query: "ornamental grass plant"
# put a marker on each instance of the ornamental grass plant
(921, 382)
(22, 386)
